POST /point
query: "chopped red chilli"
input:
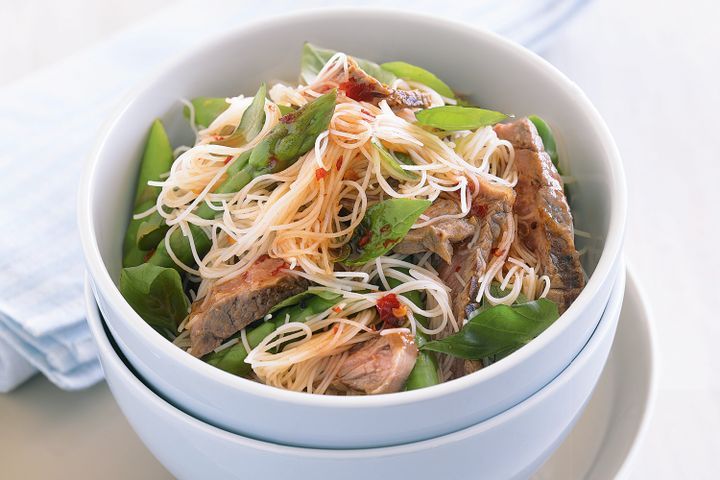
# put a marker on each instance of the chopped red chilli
(389, 307)
(321, 173)
(365, 239)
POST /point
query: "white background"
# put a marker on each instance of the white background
(653, 70)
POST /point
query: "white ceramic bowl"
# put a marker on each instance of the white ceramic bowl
(512, 444)
(499, 74)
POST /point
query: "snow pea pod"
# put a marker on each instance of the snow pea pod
(157, 159)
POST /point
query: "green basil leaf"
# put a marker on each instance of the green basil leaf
(206, 109)
(251, 122)
(451, 117)
(547, 137)
(391, 165)
(384, 225)
(496, 292)
(302, 297)
(156, 294)
(414, 73)
(314, 59)
(498, 330)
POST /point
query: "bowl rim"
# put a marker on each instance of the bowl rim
(611, 251)
(108, 354)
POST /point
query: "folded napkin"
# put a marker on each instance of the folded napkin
(14, 369)
(49, 123)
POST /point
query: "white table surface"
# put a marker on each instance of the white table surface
(652, 69)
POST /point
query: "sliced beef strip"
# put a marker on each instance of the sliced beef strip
(231, 306)
(379, 365)
(545, 224)
(364, 88)
(491, 209)
(438, 237)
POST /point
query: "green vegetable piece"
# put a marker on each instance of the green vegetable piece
(304, 125)
(232, 359)
(305, 308)
(132, 254)
(547, 137)
(453, 118)
(251, 122)
(384, 225)
(151, 231)
(498, 330)
(157, 160)
(303, 297)
(181, 248)
(294, 136)
(418, 74)
(314, 59)
(425, 372)
(157, 295)
(207, 109)
(391, 165)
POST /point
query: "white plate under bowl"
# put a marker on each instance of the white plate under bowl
(603, 442)
(507, 446)
(500, 75)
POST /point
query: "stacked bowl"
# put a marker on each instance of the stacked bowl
(499, 422)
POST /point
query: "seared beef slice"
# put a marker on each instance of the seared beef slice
(379, 365)
(231, 306)
(438, 237)
(545, 223)
(490, 212)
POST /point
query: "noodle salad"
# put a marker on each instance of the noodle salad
(364, 231)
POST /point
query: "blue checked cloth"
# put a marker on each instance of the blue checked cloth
(49, 123)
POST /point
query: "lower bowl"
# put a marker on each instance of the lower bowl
(509, 445)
